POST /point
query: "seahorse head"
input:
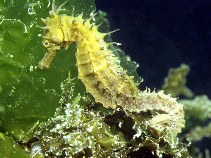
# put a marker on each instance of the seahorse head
(53, 39)
(53, 31)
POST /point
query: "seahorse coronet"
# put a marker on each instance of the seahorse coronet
(101, 74)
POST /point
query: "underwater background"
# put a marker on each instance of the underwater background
(48, 113)
(159, 34)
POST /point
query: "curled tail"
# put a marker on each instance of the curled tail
(169, 114)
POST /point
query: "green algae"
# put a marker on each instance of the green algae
(48, 113)
(175, 82)
(9, 148)
(28, 94)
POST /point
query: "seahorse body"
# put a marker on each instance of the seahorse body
(102, 76)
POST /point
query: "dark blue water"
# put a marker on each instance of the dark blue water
(159, 34)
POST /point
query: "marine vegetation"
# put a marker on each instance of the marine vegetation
(81, 97)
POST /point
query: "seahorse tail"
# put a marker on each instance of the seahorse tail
(170, 114)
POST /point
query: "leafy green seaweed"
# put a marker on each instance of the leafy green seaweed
(9, 148)
(28, 94)
(47, 112)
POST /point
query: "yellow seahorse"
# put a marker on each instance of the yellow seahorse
(102, 76)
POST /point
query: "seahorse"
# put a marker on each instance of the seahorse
(101, 73)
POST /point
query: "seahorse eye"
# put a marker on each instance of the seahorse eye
(46, 43)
